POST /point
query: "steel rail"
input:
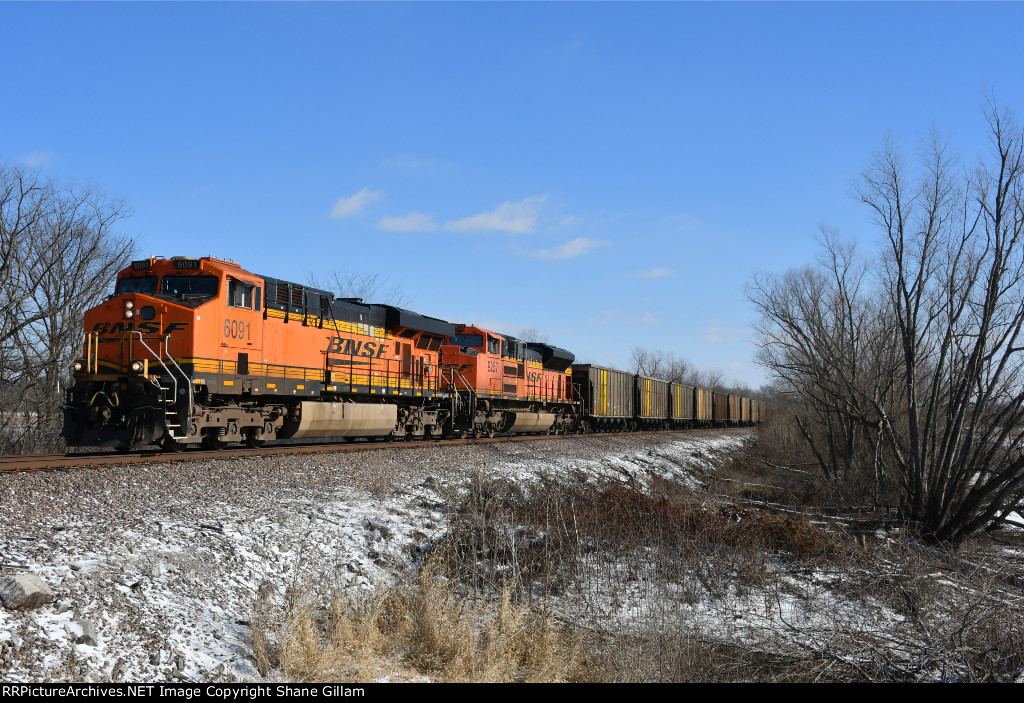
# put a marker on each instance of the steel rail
(37, 462)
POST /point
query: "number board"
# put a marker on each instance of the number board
(237, 329)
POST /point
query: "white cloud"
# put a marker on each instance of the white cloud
(718, 333)
(648, 318)
(354, 204)
(715, 334)
(656, 273)
(513, 218)
(413, 222)
(685, 222)
(570, 220)
(603, 318)
(38, 158)
(413, 164)
(569, 250)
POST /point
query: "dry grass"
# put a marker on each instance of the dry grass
(425, 630)
(548, 537)
(507, 595)
(422, 629)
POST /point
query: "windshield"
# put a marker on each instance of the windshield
(189, 285)
(136, 284)
(468, 340)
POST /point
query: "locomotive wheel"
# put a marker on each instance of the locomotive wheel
(477, 433)
(214, 444)
(253, 441)
(169, 445)
(490, 432)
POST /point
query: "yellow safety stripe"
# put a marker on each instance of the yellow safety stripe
(333, 325)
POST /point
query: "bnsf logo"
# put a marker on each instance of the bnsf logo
(144, 327)
(533, 376)
(338, 345)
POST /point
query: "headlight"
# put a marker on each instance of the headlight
(129, 304)
(137, 366)
(77, 366)
(129, 313)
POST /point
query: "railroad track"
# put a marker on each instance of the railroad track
(37, 462)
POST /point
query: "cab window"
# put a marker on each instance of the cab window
(493, 345)
(136, 284)
(243, 295)
(468, 340)
(205, 286)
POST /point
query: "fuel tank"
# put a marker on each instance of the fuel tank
(531, 422)
(341, 420)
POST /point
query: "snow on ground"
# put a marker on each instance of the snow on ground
(167, 560)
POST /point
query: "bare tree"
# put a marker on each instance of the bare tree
(711, 379)
(669, 367)
(371, 287)
(826, 338)
(646, 362)
(659, 364)
(908, 366)
(58, 254)
(531, 334)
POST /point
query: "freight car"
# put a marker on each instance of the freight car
(194, 351)
(619, 401)
(703, 415)
(682, 401)
(607, 397)
(652, 403)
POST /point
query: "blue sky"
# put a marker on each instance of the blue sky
(611, 174)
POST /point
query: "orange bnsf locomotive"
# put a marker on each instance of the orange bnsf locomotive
(191, 351)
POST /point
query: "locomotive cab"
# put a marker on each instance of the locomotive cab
(138, 379)
(505, 385)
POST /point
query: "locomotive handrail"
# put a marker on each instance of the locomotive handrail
(184, 376)
(92, 352)
(167, 342)
(454, 373)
